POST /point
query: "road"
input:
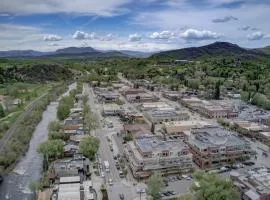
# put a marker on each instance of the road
(120, 185)
(12, 130)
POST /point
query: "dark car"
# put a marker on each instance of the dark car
(249, 163)
(1, 178)
(122, 197)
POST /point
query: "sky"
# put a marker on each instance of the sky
(140, 25)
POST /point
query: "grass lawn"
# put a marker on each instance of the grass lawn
(24, 91)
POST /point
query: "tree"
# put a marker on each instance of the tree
(7, 103)
(55, 135)
(54, 126)
(2, 112)
(51, 148)
(153, 128)
(89, 147)
(185, 197)
(85, 99)
(217, 90)
(213, 186)
(155, 186)
(91, 121)
(63, 111)
(34, 187)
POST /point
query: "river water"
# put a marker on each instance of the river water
(29, 168)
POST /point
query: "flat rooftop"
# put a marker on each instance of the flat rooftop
(215, 136)
(251, 125)
(70, 179)
(186, 123)
(158, 104)
(163, 113)
(69, 191)
(266, 134)
(111, 106)
(156, 144)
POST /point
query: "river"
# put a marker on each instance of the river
(29, 168)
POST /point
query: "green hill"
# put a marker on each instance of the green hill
(217, 49)
(265, 50)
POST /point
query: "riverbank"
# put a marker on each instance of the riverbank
(16, 140)
(29, 168)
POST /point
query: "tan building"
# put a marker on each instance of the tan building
(140, 97)
(153, 105)
(165, 115)
(148, 155)
(137, 130)
(213, 147)
(181, 129)
(111, 109)
(211, 109)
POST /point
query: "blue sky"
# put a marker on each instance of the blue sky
(144, 25)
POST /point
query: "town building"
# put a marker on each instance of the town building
(137, 130)
(153, 105)
(151, 154)
(181, 129)
(165, 115)
(109, 97)
(72, 126)
(111, 109)
(213, 147)
(118, 85)
(251, 126)
(172, 95)
(253, 184)
(127, 90)
(140, 97)
(264, 137)
(211, 109)
(71, 188)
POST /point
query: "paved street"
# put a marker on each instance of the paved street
(120, 185)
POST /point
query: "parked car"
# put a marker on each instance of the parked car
(140, 190)
(102, 174)
(122, 197)
(110, 182)
(186, 177)
(248, 163)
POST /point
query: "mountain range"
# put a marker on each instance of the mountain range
(72, 52)
(216, 49)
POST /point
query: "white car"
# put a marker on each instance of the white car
(140, 190)
(186, 177)
(110, 182)
(102, 174)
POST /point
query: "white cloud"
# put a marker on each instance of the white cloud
(88, 7)
(4, 15)
(245, 28)
(50, 38)
(53, 44)
(80, 35)
(107, 37)
(134, 37)
(162, 35)
(193, 34)
(258, 36)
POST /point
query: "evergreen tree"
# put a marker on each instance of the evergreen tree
(2, 112)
